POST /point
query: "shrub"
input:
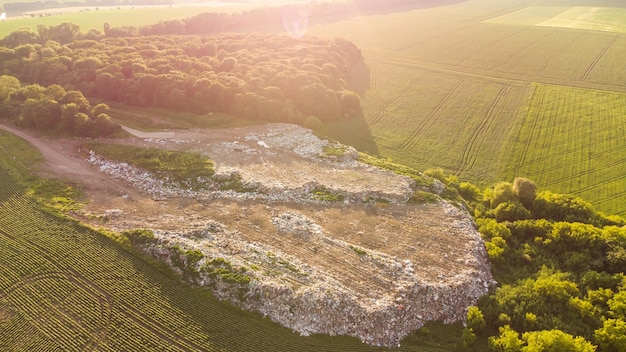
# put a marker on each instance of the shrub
(525, 190)
(139, 236)
(502, 192)
(510, 211)
(313, 123)
(469, 191)
(562, 207)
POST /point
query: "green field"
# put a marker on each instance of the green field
(455, 87)
(572, 140)
(64, 287)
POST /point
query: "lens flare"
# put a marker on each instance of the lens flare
(296, 21)
(3, 16)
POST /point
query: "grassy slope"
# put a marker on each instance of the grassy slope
(448, 88)
(66, 287)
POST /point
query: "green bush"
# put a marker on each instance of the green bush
(324, 194)
(139, 236)
(510, 211)
(525, 190)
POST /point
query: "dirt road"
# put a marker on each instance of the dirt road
(63, 160)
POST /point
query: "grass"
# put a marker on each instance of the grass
(452, 86)
(179, 166)
(572, 141)
(323, 194)
(156, 119)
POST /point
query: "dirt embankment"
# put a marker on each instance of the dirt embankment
(369, 265)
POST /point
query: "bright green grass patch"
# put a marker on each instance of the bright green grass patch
(592, 18)
(572, 141)
(19, 159)
(324, 194)
(176, 165)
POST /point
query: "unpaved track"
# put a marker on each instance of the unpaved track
(64, 161)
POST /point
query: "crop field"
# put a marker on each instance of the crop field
(66, 287)
(572, 141)
(414, 119)
(453, 86)
(593, 18)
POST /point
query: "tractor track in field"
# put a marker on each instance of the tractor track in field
(499, 76)
(164, 333)
(533, 126)
(472, 148)
(77, 279)
(521, 49)
(433, 116)
(578, 175)
(547, 63)
(614, 150)
(98, 333)
(383, 104)
(599, 57)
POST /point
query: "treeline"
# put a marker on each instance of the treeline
(18, 7)
(53, 109)
(218, 22)
(254, 76)
(560, 271)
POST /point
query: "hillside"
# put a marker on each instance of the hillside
(356, 266)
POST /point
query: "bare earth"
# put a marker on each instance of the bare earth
(359, 267)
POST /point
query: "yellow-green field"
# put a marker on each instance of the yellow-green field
(456, 86)
(592, 18)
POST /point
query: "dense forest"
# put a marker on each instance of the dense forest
(253, 76)
(53, 109)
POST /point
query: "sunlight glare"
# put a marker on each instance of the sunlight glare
(296, 21)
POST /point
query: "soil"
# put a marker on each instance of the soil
(362, 267)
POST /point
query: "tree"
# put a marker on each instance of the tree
(617, 305)
(611, 337)
(475, 318)
(502, 192)
(510, 211)
(313, 123)
(525, 190)
(8, 85)
(507, 341)
(562, 207)
(555, 340)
